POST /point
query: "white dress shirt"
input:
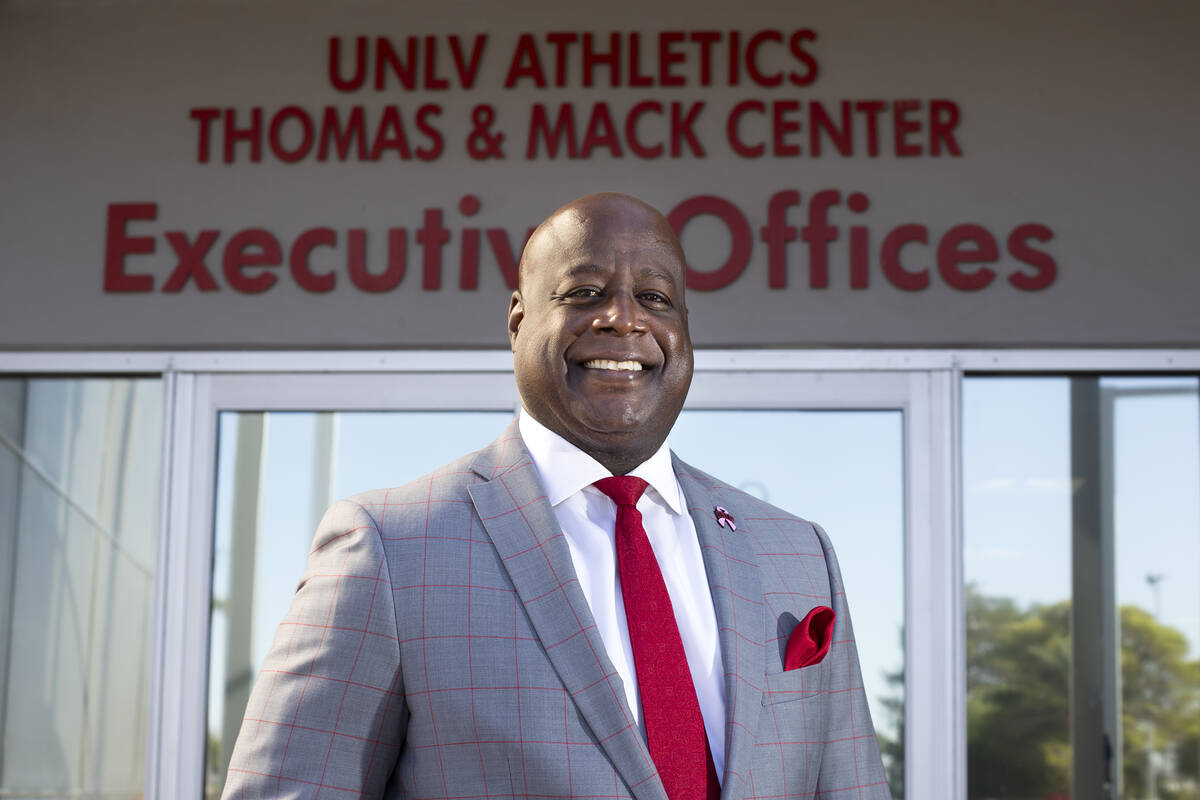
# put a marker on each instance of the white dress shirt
(588, 520)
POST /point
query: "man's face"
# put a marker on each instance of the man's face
(599, 329)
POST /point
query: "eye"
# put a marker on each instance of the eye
(577, 294)
(656, 298)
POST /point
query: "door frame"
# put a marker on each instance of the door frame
(927, 398)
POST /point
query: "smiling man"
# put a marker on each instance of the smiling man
(599, 329)
(571, 611)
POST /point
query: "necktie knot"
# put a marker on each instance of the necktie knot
(625, 490)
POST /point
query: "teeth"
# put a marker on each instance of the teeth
(618, 366)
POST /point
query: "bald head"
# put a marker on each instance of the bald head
(598, 327)
(600, 214)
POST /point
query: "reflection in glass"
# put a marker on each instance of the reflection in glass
(1156, 476)
(79, 478)
(844, 470)
(1017, 562)
(1084, 474)
(276, 474)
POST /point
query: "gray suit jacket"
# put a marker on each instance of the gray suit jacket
(439, 646)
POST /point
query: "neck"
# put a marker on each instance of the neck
(618, 464)
(619, 453)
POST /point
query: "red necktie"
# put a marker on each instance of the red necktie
(674, 725)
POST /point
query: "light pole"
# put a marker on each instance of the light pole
(1154, 580)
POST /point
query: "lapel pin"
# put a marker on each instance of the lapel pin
(723, 517)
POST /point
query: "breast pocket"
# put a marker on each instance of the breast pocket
(805, 683)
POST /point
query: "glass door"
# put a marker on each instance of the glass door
(1082, 507)
(859, 453)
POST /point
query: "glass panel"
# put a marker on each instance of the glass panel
(79, 478)
(1101, 477)
(276, 474)
(1017, 563)
(845, 470)
(1156, 442)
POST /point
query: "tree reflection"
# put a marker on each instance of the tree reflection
(1018, 696)
(891, 747)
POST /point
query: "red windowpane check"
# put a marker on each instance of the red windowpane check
(674, 725)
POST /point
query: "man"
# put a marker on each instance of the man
(521, 623)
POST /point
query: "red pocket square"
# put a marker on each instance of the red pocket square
(810, 639)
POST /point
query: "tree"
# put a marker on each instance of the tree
(892, 749)
(1158, 704)
(1018, 701)
(1018, 695)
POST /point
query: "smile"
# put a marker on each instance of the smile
(615, 366)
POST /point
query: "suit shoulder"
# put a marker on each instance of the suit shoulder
(435, 491)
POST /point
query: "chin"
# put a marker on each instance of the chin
(623, 420)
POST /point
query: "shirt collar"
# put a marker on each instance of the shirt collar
(565, 469)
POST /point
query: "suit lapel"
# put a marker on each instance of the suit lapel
(512, 507)
(733, 577)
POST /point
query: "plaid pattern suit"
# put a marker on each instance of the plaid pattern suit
(439, 646)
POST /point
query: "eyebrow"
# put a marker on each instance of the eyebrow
(650, 272)
(585, 269)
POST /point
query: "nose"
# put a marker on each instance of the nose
(622, 314)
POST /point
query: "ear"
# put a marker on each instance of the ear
(516, 313)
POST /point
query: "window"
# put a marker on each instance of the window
(79, 478)
(1082, 545)
(276, 474)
